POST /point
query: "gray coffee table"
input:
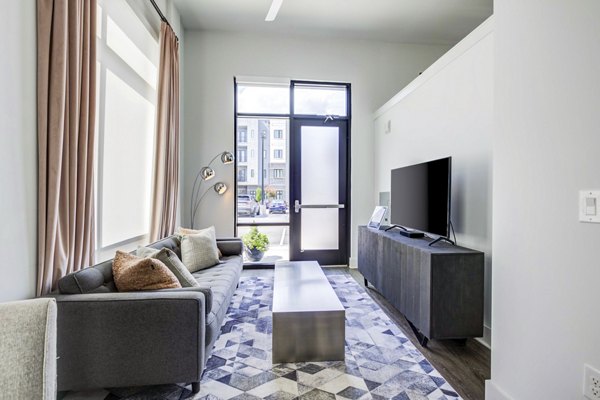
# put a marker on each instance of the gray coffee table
(308, 318)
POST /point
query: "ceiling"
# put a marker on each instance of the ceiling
(407, 21)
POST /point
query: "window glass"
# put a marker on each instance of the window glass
(320, 100)
(126, 108)
(263, 99)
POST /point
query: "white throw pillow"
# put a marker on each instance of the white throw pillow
(199, 250)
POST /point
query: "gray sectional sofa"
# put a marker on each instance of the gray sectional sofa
(112, 339)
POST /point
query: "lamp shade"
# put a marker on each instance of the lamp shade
(226, 157)
(220, 188)
(207, 173)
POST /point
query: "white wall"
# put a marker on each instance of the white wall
(375, 70)
(448, 111)
(546, 264)
(18, 150)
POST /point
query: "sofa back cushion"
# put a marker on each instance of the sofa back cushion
(88, 280)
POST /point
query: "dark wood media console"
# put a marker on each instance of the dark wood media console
(439, 289)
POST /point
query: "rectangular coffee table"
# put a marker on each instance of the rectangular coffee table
(308, 317)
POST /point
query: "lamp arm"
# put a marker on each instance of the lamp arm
(199, 201)
(194, 196)
(214, 158)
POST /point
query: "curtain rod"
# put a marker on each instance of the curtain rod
(162, 17)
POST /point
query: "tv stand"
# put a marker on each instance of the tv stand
(442, 239)
(438, 289)
(406, 232)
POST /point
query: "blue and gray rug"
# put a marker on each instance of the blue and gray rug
(381, 363)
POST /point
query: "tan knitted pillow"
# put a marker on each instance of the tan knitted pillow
(199, 250)
(133, 273)
(186, 231)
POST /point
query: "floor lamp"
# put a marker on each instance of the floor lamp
(206, 174)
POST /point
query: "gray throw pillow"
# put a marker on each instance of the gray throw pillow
(199, 250)
(170, 259)
(146, 251)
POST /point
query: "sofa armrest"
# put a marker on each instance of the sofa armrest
(130, 339)
(230, 246)
(28, 349)
(207, 291)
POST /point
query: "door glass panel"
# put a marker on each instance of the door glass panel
(319, 186)
(320, 229)
(320, 100)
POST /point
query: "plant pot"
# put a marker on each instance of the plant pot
(255, 254)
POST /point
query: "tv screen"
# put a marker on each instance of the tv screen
(420, 196)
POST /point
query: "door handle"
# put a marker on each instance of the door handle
(298, 206)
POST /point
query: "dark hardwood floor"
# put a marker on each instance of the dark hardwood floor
(465, 367)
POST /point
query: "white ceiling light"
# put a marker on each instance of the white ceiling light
(272, 14)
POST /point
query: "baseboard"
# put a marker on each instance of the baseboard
(486, 340)
(493, 392)
(352, 263)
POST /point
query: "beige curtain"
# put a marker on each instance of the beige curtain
(66, 79)
(166, 158)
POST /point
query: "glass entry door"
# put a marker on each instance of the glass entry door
(318, 190)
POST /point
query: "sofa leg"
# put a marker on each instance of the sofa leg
(195, 387)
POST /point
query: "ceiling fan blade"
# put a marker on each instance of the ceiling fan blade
(272, 14)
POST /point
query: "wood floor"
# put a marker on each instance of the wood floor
(465, 367)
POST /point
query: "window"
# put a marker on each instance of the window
(241, 155)
(279, 194)
(242, 174)
(126, 107)
(320, 100)
(263, 98)
(278, 154)
(278, 134)
(252, 153)
(251, 173)
(243, 134)
(278, 173)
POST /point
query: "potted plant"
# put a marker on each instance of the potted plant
(256, 243)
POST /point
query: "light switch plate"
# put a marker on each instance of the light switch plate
(589, 206)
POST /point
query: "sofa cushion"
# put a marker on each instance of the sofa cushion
(172, 243)
(186, 231)
(133, 273)
(84, 281)
(222, 279)
(170, 259)
(199, 250)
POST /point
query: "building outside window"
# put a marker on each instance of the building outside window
(278, 173)
(279, 195)
(243, 134)
(242, 174)
(242, 155)
(278, 154)
(278, 134)
(251, 173)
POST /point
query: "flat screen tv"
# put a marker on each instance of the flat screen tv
(420, 196)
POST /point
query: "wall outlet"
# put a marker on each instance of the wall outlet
(591, 388)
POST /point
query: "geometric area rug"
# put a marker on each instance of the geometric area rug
(380, 362)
